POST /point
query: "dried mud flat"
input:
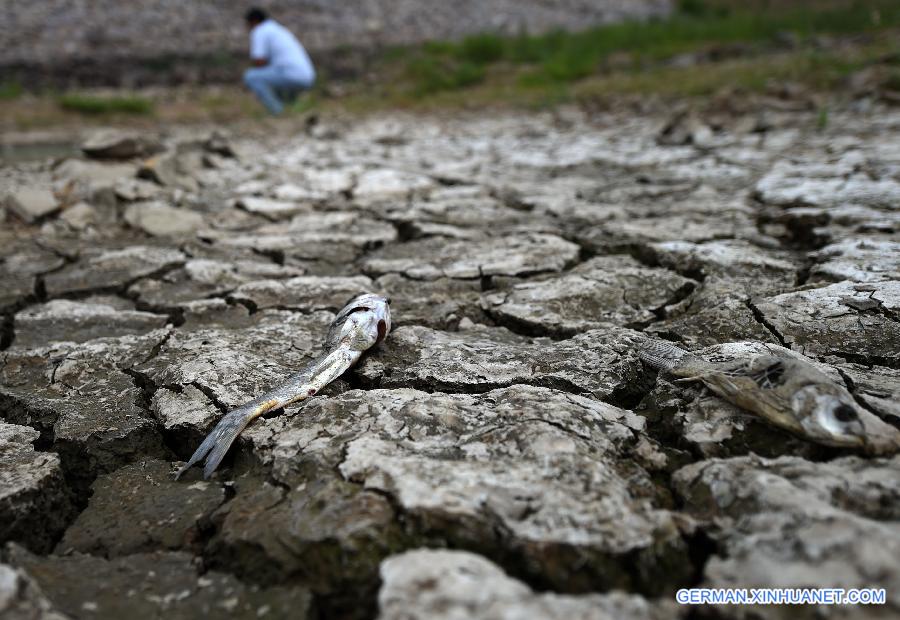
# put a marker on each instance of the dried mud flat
(504, 453)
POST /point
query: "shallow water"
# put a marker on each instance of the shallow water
(36, 151)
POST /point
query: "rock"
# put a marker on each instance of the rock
(214, 313)
(326, 242)
(466, 215)
(168, 169)
(304, 293)
(814, 184)
(131, 190)
(328, 181)
(186, 416)
(75, 321)
(19, 270)
(791, 523)
(877, 387)
(609, 289)
(600, 362)
(202, 278)
(618, 236)
(152, 585)
(534, 463)
(823, 225)
(856, 321)
(93, 175)
(160, 220)
(440, 304)
(35, 503)
(22, 599)
(727, 258)
(686, 128)
(84, 403)
(430, 259)
(234, 366)
(115, 144)
(218, 143)
(141, 508)
(443, 584)
(292, 194)
(859, 260)
(384, 184)
(274, 532)
(101, 269)
(31, 204)
(720, 310)
(272, 209)
(79, 216)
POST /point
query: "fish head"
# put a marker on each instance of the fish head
(365, 320)
(827, 413)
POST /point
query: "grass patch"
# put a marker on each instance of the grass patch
(566, 57)
(96, 106)
(429, 75)
(10, 90)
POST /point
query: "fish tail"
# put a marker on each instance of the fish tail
(662, 355)
(216, 444)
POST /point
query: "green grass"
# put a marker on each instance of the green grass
(563, 57)
(10, 90)
(430, 75)
(96, 106)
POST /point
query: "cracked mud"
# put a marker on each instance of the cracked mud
(504, 453)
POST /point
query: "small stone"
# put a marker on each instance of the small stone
(76, 321)
(601, 362)
(22, 599)
(31, 204)
(426, 584)
(858, 259)
(384, 184)
(35, 503)
(164, 583)
(139, 508)
(305, 293)
(116, 144)
(165, 170)
(793, 523)
(272, 209)
(514, 255)
(160, 220)
(131, 190)
(839, 320)
(606, 290)
(108, 268)
(79, 216)
(186, 416)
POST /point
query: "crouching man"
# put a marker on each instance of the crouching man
(281, 67)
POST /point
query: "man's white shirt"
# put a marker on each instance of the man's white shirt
(273, 42)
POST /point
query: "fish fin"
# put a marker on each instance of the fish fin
(216, 444)
(662, 355)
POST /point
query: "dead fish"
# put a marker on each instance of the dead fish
(785, 390)
(361, 324)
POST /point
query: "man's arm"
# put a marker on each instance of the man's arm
(259, 48)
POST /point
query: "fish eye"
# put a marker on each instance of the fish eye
(844, 413)
(387, 300)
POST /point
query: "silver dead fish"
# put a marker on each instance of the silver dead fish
(786, 391)
(361, 324)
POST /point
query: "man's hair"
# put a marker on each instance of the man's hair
(255, 15)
